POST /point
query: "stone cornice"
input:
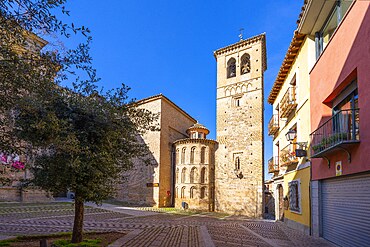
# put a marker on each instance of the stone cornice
(242, 43)
(191, 140)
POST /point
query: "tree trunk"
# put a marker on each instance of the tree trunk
(79, 220)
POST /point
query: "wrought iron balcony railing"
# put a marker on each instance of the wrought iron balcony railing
(273, 164)
(273, 126)
(340, 130)
(288, 103)
(287, 155)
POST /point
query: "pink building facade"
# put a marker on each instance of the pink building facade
(340, 119)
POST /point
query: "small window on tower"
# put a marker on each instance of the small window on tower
(237, 101)
(231, 68)
(245, 66)
(237, 163)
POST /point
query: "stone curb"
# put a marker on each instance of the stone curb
(5, 237)
(122, 241)
(206, 239)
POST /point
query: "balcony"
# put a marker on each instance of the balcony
(288, 156)
(338, 132)
(273, 164)
(273, 126)
(288, 103)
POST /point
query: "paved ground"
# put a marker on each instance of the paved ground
(145, 228)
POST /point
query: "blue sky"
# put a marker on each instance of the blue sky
(167, 46)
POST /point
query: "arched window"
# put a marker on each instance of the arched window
(237, 164)
(202, 155)
(192, 192)
(192, 151)
(245, 65)
(177, 175)
(193, 175)
(203, 175)
(203, 192)
(231, 68)
(183, 174)
(183, 155)
(177, 156)
(177, 192)
(183, 192)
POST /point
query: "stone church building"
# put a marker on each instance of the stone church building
(189, 170)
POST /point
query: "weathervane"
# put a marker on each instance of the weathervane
(241, 34)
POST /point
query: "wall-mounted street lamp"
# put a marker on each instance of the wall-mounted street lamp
(290, 135)
(301, 151)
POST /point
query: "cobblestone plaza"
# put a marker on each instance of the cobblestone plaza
(148, 228)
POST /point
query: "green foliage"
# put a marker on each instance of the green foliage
(85, 243)
(81, 143)
(24, 67)
(77, 138)
(6, 242)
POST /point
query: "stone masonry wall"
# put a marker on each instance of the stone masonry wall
(240, 134)
(149, 184)
(174, 124)
(188, 174)
(134, 187)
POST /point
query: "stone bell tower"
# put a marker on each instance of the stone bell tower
(239, 158)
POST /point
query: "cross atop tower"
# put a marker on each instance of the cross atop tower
(241, 34)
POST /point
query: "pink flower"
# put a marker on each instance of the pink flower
(4, 159)
(18, 165)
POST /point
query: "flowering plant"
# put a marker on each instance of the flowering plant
(18, 165)
(11, 161)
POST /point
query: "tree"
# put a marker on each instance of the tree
(76, 138)
(81, 142)
(23, 68)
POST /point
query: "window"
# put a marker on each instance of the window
(203, 175)
(323, 37)
(183, 155)
(237, 101)
(177, 156)
(193, 175)
(231, 68)
(192, 151)
(295, 196)
(183, 175)
(202, 155)
(345, 114)
(245, 65)
(177, 175)
(203, 192)
(237, 163)
(192, 192)
(177, 192)
(183, 192)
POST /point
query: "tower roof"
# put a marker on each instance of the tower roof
(198, 126)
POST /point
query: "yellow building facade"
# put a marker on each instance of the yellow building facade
(290, 128)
